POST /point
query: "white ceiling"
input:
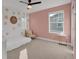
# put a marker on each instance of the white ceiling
(48, 4)
(44, 5)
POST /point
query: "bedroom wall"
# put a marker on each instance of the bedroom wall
(13, 8)
(39, 23)
(9, 29)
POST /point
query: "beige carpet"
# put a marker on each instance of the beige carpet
(40, 49)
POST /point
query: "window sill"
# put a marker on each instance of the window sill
(60, 34)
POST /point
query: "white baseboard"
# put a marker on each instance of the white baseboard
(54, 41)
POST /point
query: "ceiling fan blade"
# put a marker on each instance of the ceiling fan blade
(23, 2)
(29, 1)
(35, 3)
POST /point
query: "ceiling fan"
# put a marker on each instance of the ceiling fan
(30, 3)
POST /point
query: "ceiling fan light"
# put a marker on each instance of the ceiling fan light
(29, 6)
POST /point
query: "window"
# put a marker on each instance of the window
(56, 22)
(23, 23)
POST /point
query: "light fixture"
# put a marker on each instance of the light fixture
(29, 3)
(29, 7)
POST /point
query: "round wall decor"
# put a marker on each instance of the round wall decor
(13, 19)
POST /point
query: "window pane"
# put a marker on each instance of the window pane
(53, 19)
(60, 27)
(60, 15)
(60, 24)
(60, 20)
(56, 16)
(53, 27)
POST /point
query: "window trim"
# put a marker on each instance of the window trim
(52, 22)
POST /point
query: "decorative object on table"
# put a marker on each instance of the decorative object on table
(30, 34)
(33, 36)
(13, 19)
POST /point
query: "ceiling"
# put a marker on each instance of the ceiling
(15, 4)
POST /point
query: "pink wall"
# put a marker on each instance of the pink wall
(39, 23)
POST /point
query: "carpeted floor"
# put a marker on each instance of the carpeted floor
(40, 49)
